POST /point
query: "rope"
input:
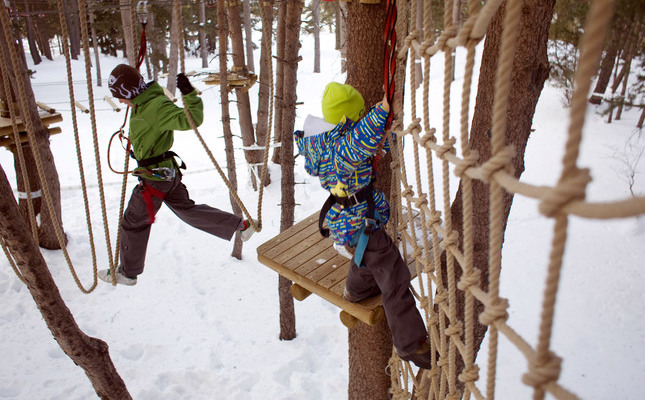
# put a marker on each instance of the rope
(257, 227)
(436, 288)
(6, 25)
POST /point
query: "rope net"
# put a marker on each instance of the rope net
(423, 207)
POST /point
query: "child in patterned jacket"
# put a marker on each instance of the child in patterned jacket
(339, 150)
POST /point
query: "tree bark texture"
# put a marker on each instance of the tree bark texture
(173, 58)
(278, 91)
(530, 70)
(128, 32)
(46, 233)
(96, 50)
(243, 101)
(89, 353)
(203, 49)
(32, 186)
(370, 347)
(264, 93)
(292, 47)
(606, 66)
(315, 4)
(248, 35)
(226, 117)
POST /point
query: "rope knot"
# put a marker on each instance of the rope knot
(468, 161)
(433, 320)
(424, 46)
(447, 147)
(544, 371)
(495, 310)
(455, 329)
(421, 201)
(469, 374)
(407, 191)
(569, 189)
(447, 34)
(498, 162)
(450, 241)
(433, 218)
(414, 127)
(468, 279)
(456, 395)
(441, 297)
(429, 137)
(424, 302)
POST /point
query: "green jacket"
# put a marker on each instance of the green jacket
(154, 118)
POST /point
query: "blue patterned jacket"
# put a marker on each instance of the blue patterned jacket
(344, 154)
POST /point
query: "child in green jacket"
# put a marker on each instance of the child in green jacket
(152, 124)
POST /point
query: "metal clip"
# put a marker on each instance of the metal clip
(164, 173)
(142, 10)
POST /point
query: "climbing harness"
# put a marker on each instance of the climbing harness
(372, 218)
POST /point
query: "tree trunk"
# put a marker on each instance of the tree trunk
(278, 87)
(338, 20)
(530, 70)
(47, 232)
(42, 40)
(641, 120)
(315, 4)
(175, 42)
(89, 353)
(31, 38)
(203, 50)
(262, 129)
(291, 49)
(226, 117)
(73, 26)
(128, 32)
(606, 66)
(32, 186)
(343, 35)
(621, 104)
(96, 50)
(253, 157)
(370, 347)
(248, 35)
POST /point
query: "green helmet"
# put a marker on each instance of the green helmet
(340, 101)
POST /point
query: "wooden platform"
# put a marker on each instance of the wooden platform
(6, 130)
(303, 256)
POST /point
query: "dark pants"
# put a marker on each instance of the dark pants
(385, 272)
(135, 229)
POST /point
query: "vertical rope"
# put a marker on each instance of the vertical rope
(19, 151)
(596, 27)
(500, 106)
(6, 25)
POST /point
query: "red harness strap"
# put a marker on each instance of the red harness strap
(148, 192)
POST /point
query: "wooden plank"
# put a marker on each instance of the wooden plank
(7, 141)
(287, 233)
(47, 118)
(313, 247)
(303, 256)
(315, 262)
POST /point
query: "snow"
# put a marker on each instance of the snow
(201, 325)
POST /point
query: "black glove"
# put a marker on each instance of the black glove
(183, 84)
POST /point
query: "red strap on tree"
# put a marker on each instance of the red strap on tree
(142, 46)
(389, 71)
(148, 192)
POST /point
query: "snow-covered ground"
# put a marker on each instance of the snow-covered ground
(202, 325)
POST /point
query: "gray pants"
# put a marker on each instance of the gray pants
(135, 229)
(385, 273)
